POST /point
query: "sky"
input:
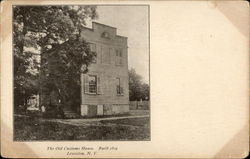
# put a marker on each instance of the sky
(132, 22)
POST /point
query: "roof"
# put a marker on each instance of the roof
(91, 29)
(104, 25)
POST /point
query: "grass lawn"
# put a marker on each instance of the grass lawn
(30, 128)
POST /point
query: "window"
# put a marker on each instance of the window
(119, 88)
(118, 60)
(92, 84)
(92, 47)
(106, 55)
(93, 50)
(105, 35)
(119, 52)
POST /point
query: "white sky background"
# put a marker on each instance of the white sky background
(132, 22)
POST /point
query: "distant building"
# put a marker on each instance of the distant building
(104, 88)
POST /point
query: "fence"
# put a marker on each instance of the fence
(133, 105)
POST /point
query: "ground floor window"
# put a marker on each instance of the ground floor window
(92, 84)
(119, 88)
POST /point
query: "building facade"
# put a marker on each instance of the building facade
(104, 88)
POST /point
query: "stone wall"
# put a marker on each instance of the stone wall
(101, 110)
(107, 70)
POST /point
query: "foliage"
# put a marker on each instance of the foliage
(137, 89)
(38, 29)
(25, 81)
(65, 64)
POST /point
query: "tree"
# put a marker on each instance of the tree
(66, 62)
(137, 89)
(42, 28)
(25, 64)
(145, 91)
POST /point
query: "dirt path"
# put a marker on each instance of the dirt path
(96, 121)
(92, 121)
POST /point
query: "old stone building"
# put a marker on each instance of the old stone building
(104, 89)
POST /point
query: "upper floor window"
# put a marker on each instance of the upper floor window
(105, 35)
(106, 55)
(119, 55)
(93, 50)
(118, 52)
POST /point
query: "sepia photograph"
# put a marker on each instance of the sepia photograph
(81, 73)
(124, 79)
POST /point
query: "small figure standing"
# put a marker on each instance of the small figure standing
(43, 108)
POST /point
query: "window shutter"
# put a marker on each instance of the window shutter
(121, 88)
(93, 47)
(99, 55)
(116, 52)
(121, 53)
(99, 91)
(116, 57)
(120, 61)
(102, 56)
(82, 83)
(117, 60)
(86, 83)
(109, 55)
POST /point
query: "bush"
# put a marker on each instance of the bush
(54, 112)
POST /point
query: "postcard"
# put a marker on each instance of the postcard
(124, 79)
